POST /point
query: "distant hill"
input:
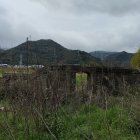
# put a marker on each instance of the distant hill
(45, 52)
(119, 59)
(101, 54)
(113, 58)
(1, 50)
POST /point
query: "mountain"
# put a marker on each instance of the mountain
(1, 50)
(119, 59)
(101, 54)
(113, 58)
(45, 52)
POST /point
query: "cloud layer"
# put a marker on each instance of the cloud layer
(89, 25)
(112, 7)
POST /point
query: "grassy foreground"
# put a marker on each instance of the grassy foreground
(84, 123)
(33, 112)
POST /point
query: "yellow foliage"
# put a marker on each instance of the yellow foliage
(135, 61)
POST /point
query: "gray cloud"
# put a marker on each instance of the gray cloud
(112, 7)
(11, 36)
(87, 25)
(2, 11)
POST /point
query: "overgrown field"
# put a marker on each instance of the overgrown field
(29, 110)
(4, 71)
(86, 122)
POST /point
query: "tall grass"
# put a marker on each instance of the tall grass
(86, 122)
(35, 109)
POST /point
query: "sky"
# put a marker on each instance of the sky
(88, 25)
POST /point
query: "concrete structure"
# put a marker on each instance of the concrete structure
(64, 77)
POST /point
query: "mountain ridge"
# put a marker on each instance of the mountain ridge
(113, 58)
(121, 58)
(101, 54)
(45, 52)
(1, 50)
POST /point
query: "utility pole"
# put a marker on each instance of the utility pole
(27, 54)
(54, 56)
(30, 37)
(20, 61)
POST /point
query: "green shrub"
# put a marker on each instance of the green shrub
(85, 123)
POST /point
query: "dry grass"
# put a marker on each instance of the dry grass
(36, 102)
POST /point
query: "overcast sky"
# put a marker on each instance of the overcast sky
(89, 25)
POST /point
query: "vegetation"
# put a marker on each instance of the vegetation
(31, 110)
(135, 61)
(1, 73)
(119, 59)
(81, 80)
(1, 50)
(16, 71)
(45, 52)
(114, 58)
(84, 123)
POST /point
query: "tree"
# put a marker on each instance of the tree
(135, 60)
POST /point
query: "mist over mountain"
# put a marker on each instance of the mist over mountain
(101, 54)
(113, 58)
(45, 52)
(120, 58)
